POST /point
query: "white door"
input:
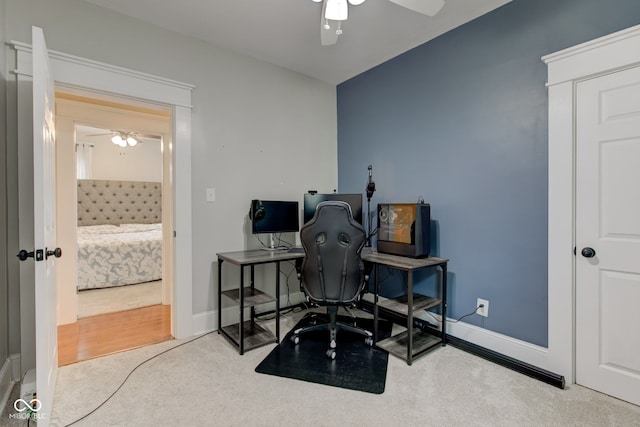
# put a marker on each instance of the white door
(608, 234)
(44, 193)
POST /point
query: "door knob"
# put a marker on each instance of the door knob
(23, 255)
(57, 252)
(588, 252)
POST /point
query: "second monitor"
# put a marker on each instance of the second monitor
(311, 201)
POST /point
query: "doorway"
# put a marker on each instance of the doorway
(116, 219)
(119, 233)
(75, 73)
(568, 69)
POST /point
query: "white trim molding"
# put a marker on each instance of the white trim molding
(113, 82)
(6, 382)
(604, 55)
(101, 77)
(505, 345)
(208, 321)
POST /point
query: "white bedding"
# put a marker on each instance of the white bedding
(112, 255)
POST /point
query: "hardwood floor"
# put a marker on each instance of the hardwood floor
(110, 333)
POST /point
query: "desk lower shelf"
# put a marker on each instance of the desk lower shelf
(254, 335)
(251, 296)
(399, 304)
(397, 344)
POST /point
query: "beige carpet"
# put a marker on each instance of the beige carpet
(207, 383)
(109, 300)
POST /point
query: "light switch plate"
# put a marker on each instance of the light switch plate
(211, 194)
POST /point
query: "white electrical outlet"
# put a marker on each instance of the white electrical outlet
(484, 310)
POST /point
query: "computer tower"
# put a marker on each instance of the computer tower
(404, 229)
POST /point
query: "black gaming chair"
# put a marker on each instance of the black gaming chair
(332, 273)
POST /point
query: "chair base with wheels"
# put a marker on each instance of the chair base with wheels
(332, 327)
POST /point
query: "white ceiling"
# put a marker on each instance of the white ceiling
(287, 32)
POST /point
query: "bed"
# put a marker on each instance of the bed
(119, 233)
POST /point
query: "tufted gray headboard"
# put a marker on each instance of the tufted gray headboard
(119, 202)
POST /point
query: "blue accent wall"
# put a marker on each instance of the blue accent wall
(462, 122)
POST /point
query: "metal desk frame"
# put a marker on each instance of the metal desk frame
(237, 333)
(416, 343)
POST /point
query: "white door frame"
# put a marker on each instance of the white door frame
(95, 77)
(604, 55)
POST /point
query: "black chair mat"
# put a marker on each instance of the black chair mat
(357, 366)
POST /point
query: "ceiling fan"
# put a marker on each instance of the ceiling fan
(123, 138)
(336, 11)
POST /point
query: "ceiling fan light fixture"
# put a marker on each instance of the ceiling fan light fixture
(132, 141)
(355, 2)
(117, 139)
(336, 10)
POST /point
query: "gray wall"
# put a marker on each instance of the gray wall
(4, 290)
(250, 120)
(462, 121)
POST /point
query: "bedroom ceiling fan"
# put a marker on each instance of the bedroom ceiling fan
(124, 138)
(334, 12)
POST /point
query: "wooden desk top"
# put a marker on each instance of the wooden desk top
(258, 256)
(401, 262)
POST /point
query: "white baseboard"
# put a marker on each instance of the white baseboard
(204, 322)
(16, 367)
(517, 349)
(520, 350)
(208, 321)
(6, 383)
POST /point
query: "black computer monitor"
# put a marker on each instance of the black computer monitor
(311, 201)
(274, 216)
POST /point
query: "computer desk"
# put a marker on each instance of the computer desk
(249, 296)
(411, 343)
(407, 345)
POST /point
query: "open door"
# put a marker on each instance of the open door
(44, 233)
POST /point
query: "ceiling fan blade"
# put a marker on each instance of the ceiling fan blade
(425, 7)
(147, 135)
(328, 36)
